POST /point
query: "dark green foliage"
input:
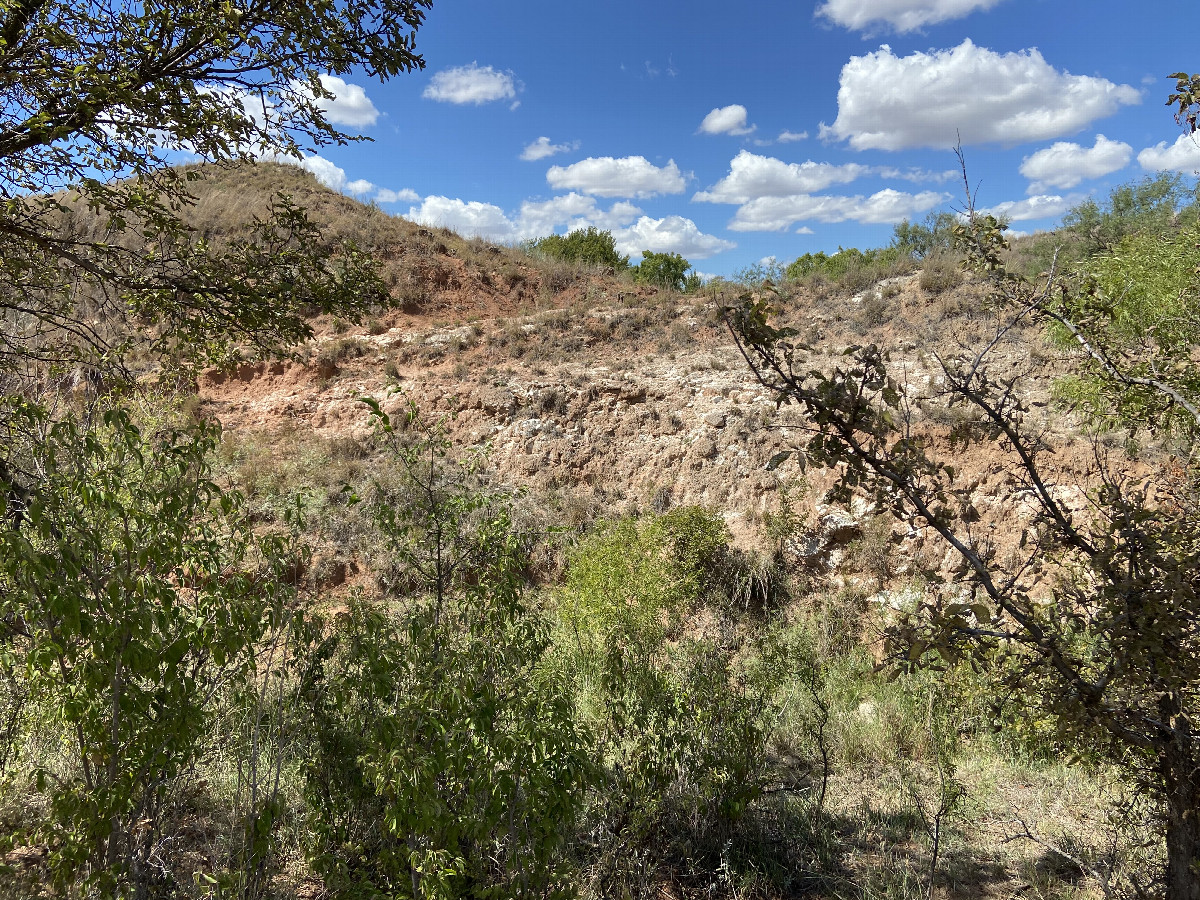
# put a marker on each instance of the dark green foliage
(589, 246)
(443, 764)
(667, 270)
(680, 721)
(850, 269)
(920, 240)
(132, 589)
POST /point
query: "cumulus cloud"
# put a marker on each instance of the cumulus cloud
(406, 195)
(349, 105)
(1065, 164)
(541, 148)
(789, 137)
(535, 218)
(726, 120)
(1042, 206)
(632, 232)
(334, 177)
(572, 212)
(468, 217)
(629, 176)
(886, 102)
(899, 15)
(751, 176)
(1182, 156)
(471, 84)
(671, 234)
(883, 207)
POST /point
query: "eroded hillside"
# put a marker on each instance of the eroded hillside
(623, 397)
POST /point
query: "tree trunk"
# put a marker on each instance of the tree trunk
(1182, 783)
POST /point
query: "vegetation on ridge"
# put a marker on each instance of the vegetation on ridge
(481, 696)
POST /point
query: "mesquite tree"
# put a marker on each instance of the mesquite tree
(1113, 654)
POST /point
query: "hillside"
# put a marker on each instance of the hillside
(574, 536)
(619, 396)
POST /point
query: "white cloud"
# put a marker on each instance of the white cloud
(930, 99)
(535, 218)
(751, 176)
(334, 177)
(916, 174)
(471, 84)
(900, 15)
(330, 175)
(571, 212)
(883, 207)
(1042, 206)
(629, 176)
(349, 105)
(1065, 164)
(541, 148)
(405, 195)
(726, 120)
(1182, 156)
(789, 137)
(468, 218)
(672, 234)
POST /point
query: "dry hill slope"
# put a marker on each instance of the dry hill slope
(581, 383)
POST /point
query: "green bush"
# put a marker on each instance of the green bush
(1142, 299)
(443, 763)
(1157, 205)
(590, 246)
(680, 721)
(667, 270)
(851, 269)
(142, 591)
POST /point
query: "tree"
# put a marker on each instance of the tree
(667, 270)
(132, 591)
(1113, 655)
(98, 98)
(585, 245)
(921, 239)
(1152, 205)
(443, 764)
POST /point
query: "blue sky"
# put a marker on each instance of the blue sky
(734, 132)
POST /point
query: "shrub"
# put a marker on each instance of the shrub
(680, 722)
(443, 764)
(920, 240)
(939, 273)
(667, 270)
(852, 269)
(588, 245)
(141, 591)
